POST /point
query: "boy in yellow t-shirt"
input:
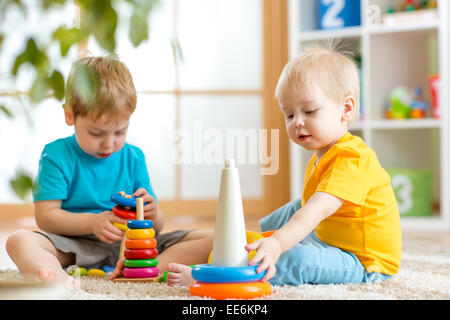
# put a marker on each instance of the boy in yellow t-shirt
(346, 228)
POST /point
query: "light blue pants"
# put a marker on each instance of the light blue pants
(313, 261)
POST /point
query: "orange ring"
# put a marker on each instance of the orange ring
(221, 291)
(140, 244)
(269, 233)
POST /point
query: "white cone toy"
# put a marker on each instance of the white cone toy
(229, 235)
(229, 275)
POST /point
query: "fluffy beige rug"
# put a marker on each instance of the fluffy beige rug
(424, 274)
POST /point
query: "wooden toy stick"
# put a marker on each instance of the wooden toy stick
(122, 248)
(140, 208)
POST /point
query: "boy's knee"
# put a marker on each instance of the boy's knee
(17, 239)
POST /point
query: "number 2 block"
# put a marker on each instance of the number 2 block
(335, 14)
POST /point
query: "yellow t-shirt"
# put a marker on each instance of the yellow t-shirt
(368, 222)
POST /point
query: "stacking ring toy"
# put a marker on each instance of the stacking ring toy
(123, 201)
(140, 233)
(140, 224)
(222, 274)
(269, 233)
(120, 226)
(123, 213)
(141, 253)
(140, 244)
(220, 291)
(108, 269)
(96, 273)
(140, 263)
(140, 272)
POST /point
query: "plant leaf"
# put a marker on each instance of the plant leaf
(68, 37)
(22, 184)
(56, 81)
(6, 111)
(85, 83)
(33, 55)
(39, 89)
(138, 28)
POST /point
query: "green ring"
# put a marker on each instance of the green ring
(140, 263)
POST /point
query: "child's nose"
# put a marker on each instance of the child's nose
(299, 122)
(108, 142)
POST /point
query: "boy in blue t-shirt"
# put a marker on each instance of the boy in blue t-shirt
(77, 176)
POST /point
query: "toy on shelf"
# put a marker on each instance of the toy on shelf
(410, 12)
(433, 82)
(229, 275)
(138, 247)
(408, 5)
(405, 103)
(418, 106)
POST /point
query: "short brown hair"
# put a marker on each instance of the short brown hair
(100, 85)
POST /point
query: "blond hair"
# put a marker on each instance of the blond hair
(328, 66)
(100, 85)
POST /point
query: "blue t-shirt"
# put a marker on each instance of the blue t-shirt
(85, 183)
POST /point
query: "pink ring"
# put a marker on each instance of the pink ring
(140, 272)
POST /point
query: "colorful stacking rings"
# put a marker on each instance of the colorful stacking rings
(120, 226)
(141, 253)
(140, 244)
(140, 224)
(213, 274)
(220, 291)
(124, 201)
(123, 213)
(136, 234)
(140, 272)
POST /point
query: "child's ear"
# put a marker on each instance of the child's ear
(68, 114)
(349, 108)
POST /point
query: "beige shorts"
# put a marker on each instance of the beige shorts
(90, 252)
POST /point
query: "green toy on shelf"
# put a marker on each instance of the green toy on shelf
(405, 103)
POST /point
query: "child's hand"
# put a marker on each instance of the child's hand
(151, 208)
(104, 229)
(267, 251)
(118, 270)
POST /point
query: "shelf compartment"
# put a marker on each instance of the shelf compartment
(413, 56)
(414, 149)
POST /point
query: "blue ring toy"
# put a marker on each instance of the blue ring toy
(121, 200)
(221, 274)
(140, 224)
(107, 269)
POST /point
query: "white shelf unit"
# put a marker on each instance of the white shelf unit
(391, 56)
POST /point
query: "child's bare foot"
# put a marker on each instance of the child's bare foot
(180, 275)
(51, 275)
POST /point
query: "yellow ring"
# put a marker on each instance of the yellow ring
(220, 291)
(120, 226)
(140, 233)
(96, 273)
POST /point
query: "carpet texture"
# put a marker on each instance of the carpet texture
(424, 274)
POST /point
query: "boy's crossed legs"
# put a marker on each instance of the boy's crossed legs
(36, 256)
